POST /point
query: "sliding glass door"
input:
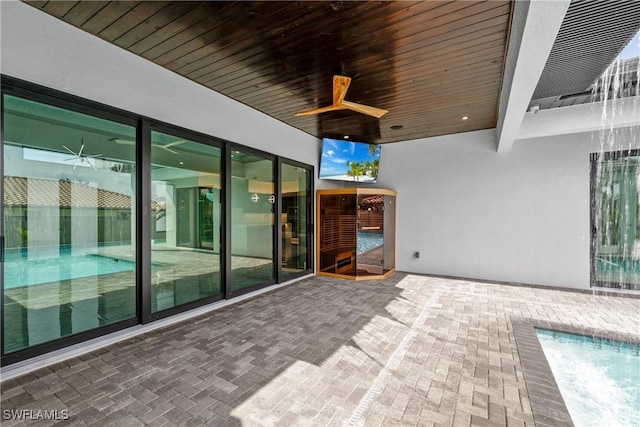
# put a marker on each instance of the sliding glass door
(69, 223)
(186, 221)
(616, 221)
(295, 218)
(109, 220)
(253, 202)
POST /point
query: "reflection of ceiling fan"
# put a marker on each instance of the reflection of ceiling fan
(340, 86)
(80, 156)
(163, 146)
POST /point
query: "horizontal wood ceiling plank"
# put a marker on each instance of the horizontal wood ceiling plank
(39, 4)
(169, 30)
(469, 13)
(153, 23)
(83, 11)
(107, 15)
(177, 43)
(58, 8)
(131, 19)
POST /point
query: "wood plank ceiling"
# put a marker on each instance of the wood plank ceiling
(429, 63)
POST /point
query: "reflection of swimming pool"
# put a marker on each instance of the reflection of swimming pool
(599, 379)
(23, 268)
(618, 266)
(368, 240)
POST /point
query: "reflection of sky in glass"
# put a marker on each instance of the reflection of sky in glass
(337, 153)
(53, 157)
(632, 50)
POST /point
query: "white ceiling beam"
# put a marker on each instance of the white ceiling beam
(614, 114)
(534, 28)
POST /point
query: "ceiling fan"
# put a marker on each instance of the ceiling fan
(340, 86)
(80, 156)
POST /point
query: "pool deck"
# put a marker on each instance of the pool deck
(408, 350)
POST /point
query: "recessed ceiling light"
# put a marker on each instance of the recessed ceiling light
(465, 117)
(182, 163)
(346, 137)
(396, 127)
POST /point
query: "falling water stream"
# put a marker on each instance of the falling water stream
(598, 378)
(616, 214)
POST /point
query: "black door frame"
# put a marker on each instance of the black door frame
(144, 126)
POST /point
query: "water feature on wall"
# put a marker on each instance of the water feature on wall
(615, 173)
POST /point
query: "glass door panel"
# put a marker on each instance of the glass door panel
(69, 223)
(389, 233)
(185, 236)
(370, 234)
(295, 217)
(252, 220)
(617, 223)
(338, 242)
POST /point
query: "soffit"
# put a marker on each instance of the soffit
(428, 63)
(592, 34)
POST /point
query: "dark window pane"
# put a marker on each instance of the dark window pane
(69, 223)
(617, 223)
(185, 230)
(295, 242)
(252, 220)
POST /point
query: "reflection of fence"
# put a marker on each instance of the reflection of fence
(41, 211)
(370, 220)
(96, 225)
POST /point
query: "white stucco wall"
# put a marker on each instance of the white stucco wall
(44, 50)
(521, 216)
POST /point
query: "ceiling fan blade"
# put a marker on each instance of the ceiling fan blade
(168, 149)
(69, 150)
(365, 109)
(123, 141)
(176, 142)
(319, 110)
(340, 87)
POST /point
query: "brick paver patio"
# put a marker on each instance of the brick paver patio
(410, 350)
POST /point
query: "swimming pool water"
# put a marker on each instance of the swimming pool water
(618, 266)
(599, 379)
(367, 241)
(22, 268)
(32, 267)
